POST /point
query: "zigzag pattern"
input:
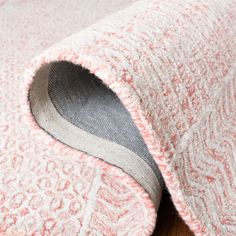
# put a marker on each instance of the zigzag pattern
(172, 79)
(209, 158)
(175, 74)
(174, 82)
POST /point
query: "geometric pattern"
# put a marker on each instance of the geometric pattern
(172, 64)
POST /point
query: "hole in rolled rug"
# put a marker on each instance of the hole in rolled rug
(75, 107)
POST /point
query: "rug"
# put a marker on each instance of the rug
(138, 94)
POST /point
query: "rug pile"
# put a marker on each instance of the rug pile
(124, 97)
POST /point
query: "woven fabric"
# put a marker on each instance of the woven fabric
(87, 103)
(45, 188)
(172, 65)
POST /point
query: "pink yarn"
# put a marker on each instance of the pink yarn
(172, 64)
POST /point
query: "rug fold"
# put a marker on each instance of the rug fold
(146, 93)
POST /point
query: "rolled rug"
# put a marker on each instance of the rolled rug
(150, 85)
(103, 183)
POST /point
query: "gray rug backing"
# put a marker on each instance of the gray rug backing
(83, 100)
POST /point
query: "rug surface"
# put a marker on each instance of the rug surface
(137, 92)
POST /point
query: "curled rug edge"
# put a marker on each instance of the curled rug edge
(133, 105)
(86, 56)
(149, 206)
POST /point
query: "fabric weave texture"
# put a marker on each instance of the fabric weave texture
(172, 64)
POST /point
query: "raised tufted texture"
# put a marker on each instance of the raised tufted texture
(172, 64)
(45, 188)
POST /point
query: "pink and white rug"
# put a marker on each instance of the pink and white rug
(128, 94)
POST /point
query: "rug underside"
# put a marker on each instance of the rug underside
(91, 118)
(123, 97)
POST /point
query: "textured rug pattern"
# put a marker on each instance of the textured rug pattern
(176, 95)
(46, 189)
(172, 64)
